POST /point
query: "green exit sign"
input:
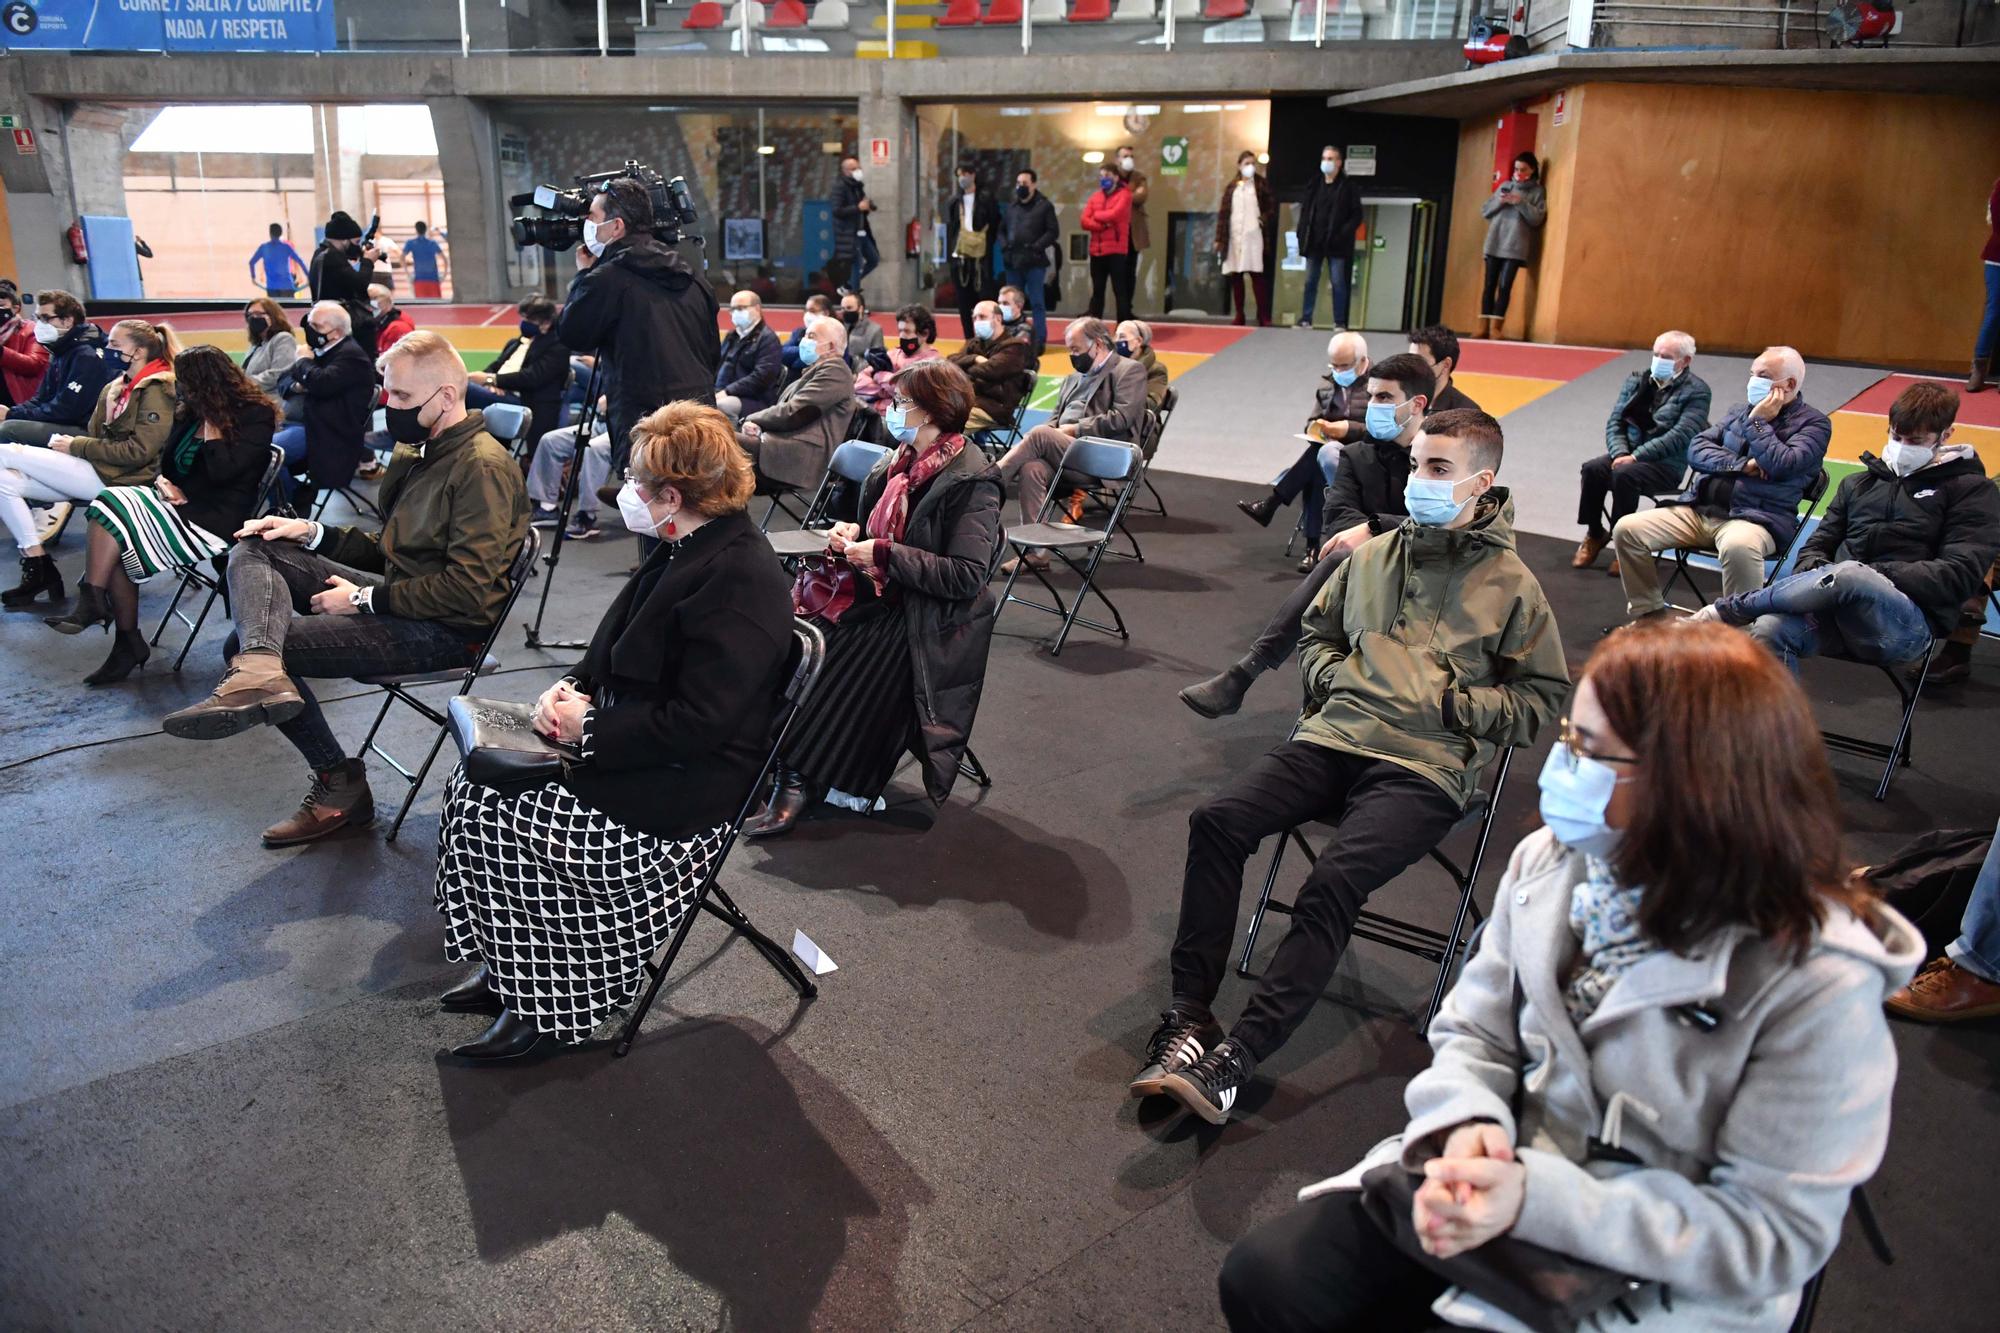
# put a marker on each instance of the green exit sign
(13, 122)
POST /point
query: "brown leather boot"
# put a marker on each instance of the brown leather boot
(253, 691)
(1944, 992)
(1587, 551)
(339, 798)
(1977, 379)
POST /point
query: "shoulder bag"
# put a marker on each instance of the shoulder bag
(499, 747)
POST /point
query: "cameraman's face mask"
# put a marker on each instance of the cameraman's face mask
(597, 235)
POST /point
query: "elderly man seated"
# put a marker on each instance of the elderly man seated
(1658, 413)
(791, 441)
(1105, 397)
(1751, 470)
(1134, 338)
(1000, 364)
(1339, 411)
(753, 364)
(420, 595)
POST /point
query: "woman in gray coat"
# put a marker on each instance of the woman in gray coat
(1514, 213)
(1668, 1057)
(273, 349)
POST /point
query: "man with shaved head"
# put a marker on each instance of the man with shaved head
(1751, 469)
(1338, 410)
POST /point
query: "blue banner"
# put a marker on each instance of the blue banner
(166, 25)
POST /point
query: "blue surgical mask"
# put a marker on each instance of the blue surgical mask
(1345, 378)
(898, 422)
(1757, 390)
(1327, 168)
(1576, 793)
(1381, 421)
(982, 329)
(1428, 500)
(1107, 184)
(1009, 314)
(742, 319)
(1663, 368)
(808, 352)
(530, 329)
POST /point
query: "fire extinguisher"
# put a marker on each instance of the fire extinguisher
(912, 237)
(78, 250)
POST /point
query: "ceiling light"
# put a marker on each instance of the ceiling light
(1094, 156)
(765, 150)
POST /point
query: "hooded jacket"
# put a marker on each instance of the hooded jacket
(1933, 534)
(1515, 211)
(1108, 219)
(1432, 648)
(646, 310)
(1679, 412)
(1739, 1143)
(73, 381)
(1790, 450)
(125, 446)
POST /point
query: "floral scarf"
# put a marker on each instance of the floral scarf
(1604, 917)
(910, 471)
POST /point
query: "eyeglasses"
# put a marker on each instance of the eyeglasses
(1572, 745)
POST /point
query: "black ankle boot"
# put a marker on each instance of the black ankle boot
(1261, 510)
(510, 1038)
(38, 575)
(90, 609)
(129, 651)
(474, 995)
(1219, 696)
(782, 811)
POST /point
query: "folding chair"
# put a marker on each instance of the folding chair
(1680, 488)
(361, 504)
(851, 463)
(1109, 461)
(197, 576)
(989, 438)
(395, 687)
(508, 423)
(1156, 426)
(709, 897)
(1896, 754)
(1445, 948)
(1878, 1241)
(1774, 565)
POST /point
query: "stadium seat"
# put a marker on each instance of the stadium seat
(704, 14)
(1004, 11)
(1217, 10)
(785, 14)
(1049, 11)
(960, 14)
(1090, 11)
(1133, 11)
(829, 15)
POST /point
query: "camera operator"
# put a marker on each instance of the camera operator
(334, 275)
(640, 304)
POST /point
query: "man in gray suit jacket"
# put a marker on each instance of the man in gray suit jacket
(1106, 397)
(791, 441)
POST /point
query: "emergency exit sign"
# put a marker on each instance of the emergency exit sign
(13, 123)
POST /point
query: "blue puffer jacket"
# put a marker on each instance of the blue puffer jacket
(1789, 449)
(79, 368)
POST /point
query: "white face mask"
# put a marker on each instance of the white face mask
(1125, 163)
(1328, 166)
(638, 515)
(855, 174)
(1247, 170)
(1903, 459)
(46, 333)
(591, 240)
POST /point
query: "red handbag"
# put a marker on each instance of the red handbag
(823, 588)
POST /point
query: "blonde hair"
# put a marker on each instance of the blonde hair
(692, 448)
(427, 350)
(157, 342)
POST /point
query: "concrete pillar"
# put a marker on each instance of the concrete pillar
(885, 115)
(94, 150)
(475, 204)
(38, 197)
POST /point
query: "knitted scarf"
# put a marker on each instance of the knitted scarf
(1604, 917)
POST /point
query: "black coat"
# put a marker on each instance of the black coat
(1329, 218)
(940, 570)
(848, 217)
(329, 277)
(338, 383)
(694, 652)
(220, 480)
(1029, 231)
(752, 369)
(1368, 486)
(539, 383)
(1933, 534)
(643, 308)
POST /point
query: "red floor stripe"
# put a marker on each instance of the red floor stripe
(1531, 360)
(1974, 409)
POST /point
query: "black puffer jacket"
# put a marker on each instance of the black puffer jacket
(1933, 533)
(642, 306)
(940, 569)
(1368, 487)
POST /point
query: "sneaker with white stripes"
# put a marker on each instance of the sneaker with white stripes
(1209, 1087)
(1179, 1041)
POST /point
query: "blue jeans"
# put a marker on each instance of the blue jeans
(866, 259)
(1989, 324)
(1329, 459)
(1977, 948)
(1338, 276)
(1847, 610)
(1031, 280)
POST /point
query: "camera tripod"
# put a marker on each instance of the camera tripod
(586, 425)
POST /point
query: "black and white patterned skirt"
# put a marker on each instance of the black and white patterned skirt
(563, 904)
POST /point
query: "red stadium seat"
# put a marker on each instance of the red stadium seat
(705, 14)
(1004, 11)
(960, 14)
(1224, 9)
(786, 14)
(1090, 11)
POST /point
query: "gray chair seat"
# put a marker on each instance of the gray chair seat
(487, 666)
(802, 541)
(1050, 535)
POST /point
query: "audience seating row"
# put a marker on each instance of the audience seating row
(831, 15)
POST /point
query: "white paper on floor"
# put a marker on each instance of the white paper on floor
(810, 954)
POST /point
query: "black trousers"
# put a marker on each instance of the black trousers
(1323, 1267)
(1498, 287)
(1384, 818)
(1625, 485)
(969, 277)
(1116, 269)
(1281, 635)
(1306, 479)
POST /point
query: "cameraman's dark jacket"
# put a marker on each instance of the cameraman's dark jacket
(646, 310)
(331, 278)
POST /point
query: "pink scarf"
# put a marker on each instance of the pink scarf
(910, 471)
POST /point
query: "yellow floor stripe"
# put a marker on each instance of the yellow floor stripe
(1501, 394)
(1856, 431)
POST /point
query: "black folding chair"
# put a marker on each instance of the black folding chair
(1878, 1241)
(196, 576)
(709, 897)
(863, 427)
(989, 439)
(1775, 564)
(851, 463)
(1896, 754)
(1445, 948)
(1107, 461)
(399, 687)
(1679, 488)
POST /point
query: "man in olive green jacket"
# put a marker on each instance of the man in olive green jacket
(419, 596)
(1430, 648)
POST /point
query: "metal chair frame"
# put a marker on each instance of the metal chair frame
(398, 687)
(216, 583)
(1776, 561)
(1878, 1241)
(1095, 541)
(710, 897)
(1445, 948)
(987, 439)
(810, 538)
(1896, 754)
(1157, 423)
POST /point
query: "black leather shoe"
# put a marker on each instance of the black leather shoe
(782, 810)
(474, 995)
(510, 1038)
(1261, 510)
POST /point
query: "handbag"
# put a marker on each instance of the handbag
(823, 587)
(499, 747)
(971, 244)
(1548, 1291)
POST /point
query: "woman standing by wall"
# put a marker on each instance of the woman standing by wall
(1514, 212)
(1246, 235)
